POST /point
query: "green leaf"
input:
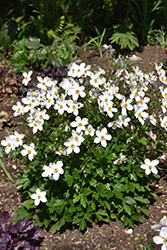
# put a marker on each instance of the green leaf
(86, 191)
(77, 197)
(120, 187)
(58, 225)
(143, 140)
(83, 201)
(141, 199)
(118, 195)
(33, 43)
(70, 181)
(129, 200)
(29, 204)
(127, 208)
(101, 190)
(93, 182)
(82, 224)
(99, 171)
(76, 174)
(144, 211)
(137, 216)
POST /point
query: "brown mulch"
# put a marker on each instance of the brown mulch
(114, 235)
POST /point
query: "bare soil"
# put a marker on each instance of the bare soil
(114, 235)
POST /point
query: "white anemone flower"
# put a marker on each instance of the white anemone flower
(72, 145)
(149, 166)
(18, 138)
(79, 124)
(9, 143)
(27, 77)
(162, 238)
(29, 150)
(102, 136)
(120, 160)
(53, 170)
(39, 196)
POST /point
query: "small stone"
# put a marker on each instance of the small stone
(14, 166)
(129, 231)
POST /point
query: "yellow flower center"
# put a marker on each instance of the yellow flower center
(125, 105)
(62, 98)
(102, 137)
(141, 101)
(109, 108)
(106, 99)
(9, 144)
(40, 116)
(134, 86)
(19, 109)
(73, 70)
(165, 94)
(80, 124)
(164, 123)
(55, 92)
(79, 70)
(30, 104)
(49, 100)
(136, 93)
(129, 140)
(35, 124)
(139, 114)
(116, 92)
(77, 91)
(29, 151)
(162, 77)
(56, 170)
(165, 105)
(61, 151)
(123, 120)
(72, 145)
(43, 83)
(150, 167)
(76, 137)
(120, 161)
(159, 69)
(73, 106)
(17, 138)
(115, 124)
(61, 106)
(165, 240)
(26, 77)
(38, 196)
(95, 80)
(89, 130)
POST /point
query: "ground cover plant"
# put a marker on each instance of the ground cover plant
(95, 151)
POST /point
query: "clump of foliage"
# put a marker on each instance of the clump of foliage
(93, 138)
(20, 235)
(29, 51)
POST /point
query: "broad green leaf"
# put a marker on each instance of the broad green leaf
(83, 201)
(58, 225)
(82, 224)
(29, 204)
(127, 208)
(120, 187)
(129, 200)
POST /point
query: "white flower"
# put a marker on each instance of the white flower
(76, 91)
(53, 171)
(79, 124)
(36, 125)
(61, 106)
(115, 124)
(150, 133)
(164, 122)
(140, 114)
(90, 131)
(29, 150)
(125, 104)
(39, 196)
(18, 138)
(9, 143)
(72, 145)
(19, 109)
(120, 160)
(102, 136)
(162, 238)
(162, 223)
(73, 107)
(149, 166)
(27, 77)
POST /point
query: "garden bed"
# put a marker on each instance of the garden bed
(112, 235)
